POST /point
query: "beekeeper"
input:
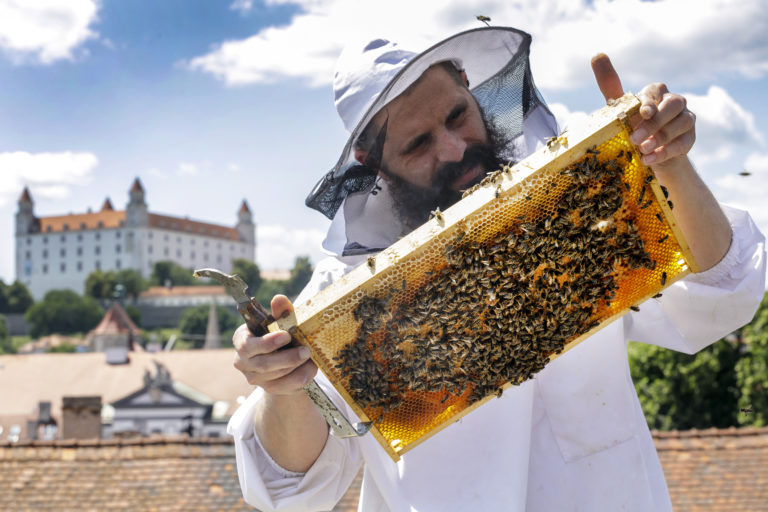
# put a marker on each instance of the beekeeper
(425, 126)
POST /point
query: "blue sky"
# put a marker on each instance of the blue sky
(211, 102)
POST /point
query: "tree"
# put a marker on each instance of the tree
(301, 273)
(15, 298)
(101, 285)
(5, 340)
(64, 312)
(249, 272)
(134, 313)
(194, 321)
(681, 391)
(169, 271)
(752, 370)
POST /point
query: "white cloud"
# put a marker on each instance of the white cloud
(187, 169)
(722, 125)
(666, 39)
(234, 167)
(565, 117)
(48, 175)
(279, 246)
(748, 192)
(243, 6)
(45, 30)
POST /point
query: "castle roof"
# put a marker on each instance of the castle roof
(25, 196)
(107, 205)
(137, 187)
(83, 221)
(192, 226)
(115, 321)
(244, 207)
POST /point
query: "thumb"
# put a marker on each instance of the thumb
(280, 305)
(607, 79)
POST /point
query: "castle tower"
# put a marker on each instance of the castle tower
(136, 214)
(25, 216)
(245, 226)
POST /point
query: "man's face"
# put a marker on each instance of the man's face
(431, 125)
(436, 145)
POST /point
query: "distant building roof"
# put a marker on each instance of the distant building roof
(182, 291)
(137, 187)
(107, 206)
(25, 196)
(50, 377)
(244, 207)
(191, 226)
(115, 321)
(83, 221)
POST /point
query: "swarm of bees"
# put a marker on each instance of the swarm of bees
(500, 308)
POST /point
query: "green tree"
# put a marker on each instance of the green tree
(268, 289)
(300, 276)
(752, 370)
(3, 297)
(100, 285)
(63, 348)
(249, 272)
(63, 312)
(133, 282)
(18, 298)
(134, 313)
(194, 321)
(5, 340)
(169, 271)
(681, 391)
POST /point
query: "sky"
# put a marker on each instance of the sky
(211, 102)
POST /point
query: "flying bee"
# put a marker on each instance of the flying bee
(371, 261)
(437, 215)
(746, 410)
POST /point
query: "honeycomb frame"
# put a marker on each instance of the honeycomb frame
(327, 322)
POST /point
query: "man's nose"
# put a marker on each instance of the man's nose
(450, 147)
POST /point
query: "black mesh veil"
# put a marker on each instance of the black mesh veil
(497, 66)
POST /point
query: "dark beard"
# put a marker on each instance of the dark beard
(413, 203)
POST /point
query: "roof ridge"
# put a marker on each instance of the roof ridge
(119, 442)
(710, 432)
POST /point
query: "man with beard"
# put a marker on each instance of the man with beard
(574, 436)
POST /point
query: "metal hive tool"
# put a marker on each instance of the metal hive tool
(535, 259)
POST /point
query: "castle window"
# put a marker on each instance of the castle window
(218, 258)
(118, 234)
(63, 253)
(45, 239)
(82, 225)
(48, 228)
(117, 264)
(205, 257)
(79, 237)
(65, 227)
(192, 255)
(28, 254)
(192, 241)
(149, 249)
(79, 251)
(63, 267)
(178, 253)
(118, 248)
(29, 241)
(100, 224)
(97, 249)
(45, 268)
(98, 236)
(165, 251)
(121, 223)
(79, 266)
(149, 234)
(45, 253)
(97, 265)
(205, 243)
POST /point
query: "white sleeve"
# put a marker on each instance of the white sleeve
(702, 308)
(267, 486)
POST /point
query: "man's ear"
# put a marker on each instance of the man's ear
(464, 77)
(361, 156)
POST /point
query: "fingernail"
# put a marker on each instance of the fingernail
(638, 135)
(304, 352)
(283, 339)
(648, 146)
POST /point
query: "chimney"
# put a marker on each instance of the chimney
(81, 417)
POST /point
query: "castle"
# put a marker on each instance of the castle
(60, 251)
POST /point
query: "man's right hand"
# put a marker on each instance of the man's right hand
(264, 361)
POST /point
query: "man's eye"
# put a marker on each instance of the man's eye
(455, 115)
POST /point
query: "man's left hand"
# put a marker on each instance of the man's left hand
(665, 129)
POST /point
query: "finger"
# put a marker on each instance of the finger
(668, 108)
(675, 148)
(650, 97)
(607, 79)
(682, 123)
(280, 305)
(246, 345)
(292, 382)
(275, 361)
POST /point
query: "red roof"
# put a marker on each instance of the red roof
(244, 207)
(115, 321)
(25, 196)
(136, 187)
(107, 205)
(192, 226)
(80, 221)
(182, 291)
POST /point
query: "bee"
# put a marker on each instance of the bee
(642, 194)
(671, 206)
(592, 151)
(621, 154)
(745, 173)
(371, 261)
(746, 410)
(437, 215)
(663, 278)
(662, 239)
(657, 296)
(661, 219)
(497, 192)
(551, 142)
(626, 186)
(634, 308)
(646, 204)
(648, 179)
(665, 192)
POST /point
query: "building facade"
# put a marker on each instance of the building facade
(57, 252)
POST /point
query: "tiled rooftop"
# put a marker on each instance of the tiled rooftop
(708, 470)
